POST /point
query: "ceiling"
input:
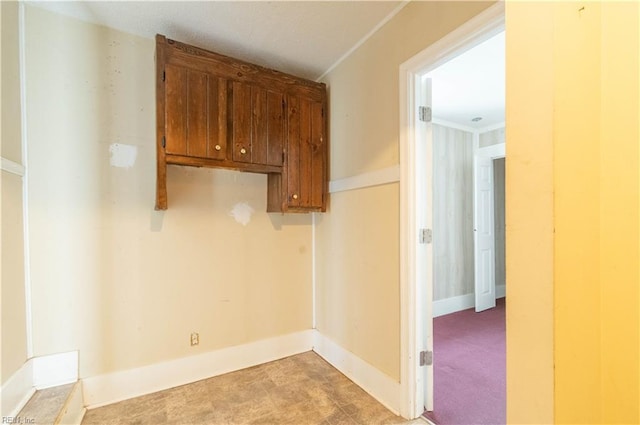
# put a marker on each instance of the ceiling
(303, 38)
(472, 85)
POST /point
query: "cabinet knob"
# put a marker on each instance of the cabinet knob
(218, 147)
(295, 196)
(243, 151)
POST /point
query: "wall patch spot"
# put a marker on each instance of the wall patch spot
(242, 212)
(123, 156)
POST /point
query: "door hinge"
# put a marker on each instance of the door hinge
(426, 358)
(164, 141)
(424, 113)
(426, 236)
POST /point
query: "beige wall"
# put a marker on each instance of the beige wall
(122, 283)
(359, 299)
(14, 334)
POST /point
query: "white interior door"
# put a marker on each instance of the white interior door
(424, 249)
(483, 226)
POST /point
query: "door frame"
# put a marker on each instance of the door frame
(413, 312)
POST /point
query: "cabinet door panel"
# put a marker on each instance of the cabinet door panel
(176, 110)
(217, 125)
(197, 116)
(305, 153)
(259, 125)
(305, 168)
(293, 153)
(275, 130)
(318, 150)
(241, 132)
(196, 113)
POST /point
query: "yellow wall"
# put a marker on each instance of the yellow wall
(572, 194)
(14, 336)
(529, 214)
(124, 284)
(358, 271)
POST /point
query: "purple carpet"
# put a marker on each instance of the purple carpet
(469, 367)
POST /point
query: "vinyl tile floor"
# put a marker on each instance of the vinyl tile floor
(302, 389)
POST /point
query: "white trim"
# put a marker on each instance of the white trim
(465, 37)
(379, 385)
(453, 304)
(25, 179)
(73, 410)
(313, 271)
(453, 125)
(56, 369)
(461, 302)
(491, 127)
(492, 151)
(111, 388)
(17, 391)
(372, 178)
(375, 29)
(11, 167)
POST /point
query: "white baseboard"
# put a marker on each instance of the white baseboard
(380, 386)
(56, 369)
(73, 410)
(453, 304)
(461, 302)
(114, 387)
(36, 374)
(17, 391)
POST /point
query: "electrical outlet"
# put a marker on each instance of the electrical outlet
(195, 338)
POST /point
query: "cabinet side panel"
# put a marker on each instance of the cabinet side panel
(258, 125)
(241, 130)
(275, 130)
(175, 104)
(305, 152)
(197, 113)
(318, 149)
(293, 154)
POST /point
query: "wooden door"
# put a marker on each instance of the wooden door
(258, 125)
(483, 226)
(196, 113)
(306, 154)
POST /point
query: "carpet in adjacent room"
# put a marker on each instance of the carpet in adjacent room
(470, 367)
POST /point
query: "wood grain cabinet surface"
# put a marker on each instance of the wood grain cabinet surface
(215, 111)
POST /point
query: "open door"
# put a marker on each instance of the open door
(483, 226)
(424, 247)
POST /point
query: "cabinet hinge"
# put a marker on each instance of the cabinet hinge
(426, 358)
(426, 236)
(424, 113)
(164, 141)
(164, 75)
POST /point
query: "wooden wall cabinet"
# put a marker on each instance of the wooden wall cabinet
(215, 111)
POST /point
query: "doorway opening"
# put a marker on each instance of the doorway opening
(419, 237)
